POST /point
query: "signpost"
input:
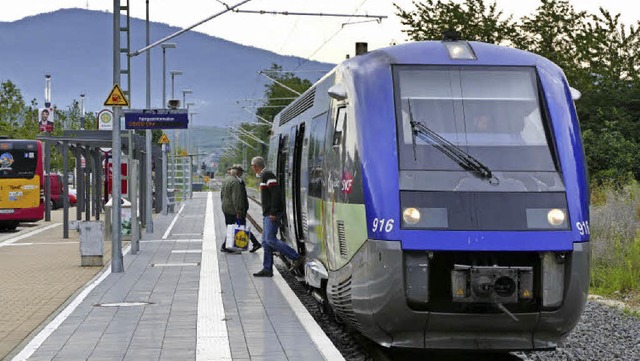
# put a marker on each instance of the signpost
(116, 99)
(164, 140)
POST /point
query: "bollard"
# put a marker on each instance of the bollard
(171, 199)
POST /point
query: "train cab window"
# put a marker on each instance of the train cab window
(339, 129)
(493, 114)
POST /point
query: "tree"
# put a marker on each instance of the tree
(599, 55)
(277, 98)
(12, 108)
(472, 19)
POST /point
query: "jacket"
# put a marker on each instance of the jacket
(271, 194)
(231, 194)
(245, 197)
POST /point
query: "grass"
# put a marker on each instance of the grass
(615, 266)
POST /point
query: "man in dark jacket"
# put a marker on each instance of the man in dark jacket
(242, 217)
(231, 197)
(272, 210)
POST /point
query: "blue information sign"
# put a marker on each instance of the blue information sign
(156, 119)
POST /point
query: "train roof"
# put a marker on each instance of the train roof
(427, 53)
(436, 53)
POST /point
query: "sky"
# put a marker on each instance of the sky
(321, 38)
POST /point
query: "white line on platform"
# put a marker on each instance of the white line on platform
(173, 223)
(186, 251)
(42, 336)
(170, 240)
(175, 264)
(41, 243)
(325, 346)
(212, 341)
(188, 234)
(28, 234)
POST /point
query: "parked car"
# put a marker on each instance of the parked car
(56, 192)
(73, 198)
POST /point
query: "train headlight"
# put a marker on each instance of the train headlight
(460, 50)
(411, 215)
(556, 217)
(547, 218)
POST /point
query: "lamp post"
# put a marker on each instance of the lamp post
(186, 105)
(184, 96)
(189, 152)
(173, 74)
(165, 199)
(165, 46)
(175, 144)
(81, 111)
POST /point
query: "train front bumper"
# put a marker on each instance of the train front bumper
(382, 286)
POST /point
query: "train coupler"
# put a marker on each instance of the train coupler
(491, 284)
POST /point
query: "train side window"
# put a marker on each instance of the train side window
(341, 118)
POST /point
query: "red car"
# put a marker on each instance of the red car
(73, 199)
(56, 192)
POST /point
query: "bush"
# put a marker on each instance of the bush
(615, 246)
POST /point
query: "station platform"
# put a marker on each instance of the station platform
(180, 298)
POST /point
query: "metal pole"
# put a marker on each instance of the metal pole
(65, 188)
(86, 185)
(133, 195)
(149, 195)
(82, 112)
(117, 265)
(165, 198)
(47, 154)
(184, 168)
(174, 148)
(79, 185)
(164, 154)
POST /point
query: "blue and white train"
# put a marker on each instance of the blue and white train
(438, 190)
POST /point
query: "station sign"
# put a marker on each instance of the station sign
(156, 119)
(105, 120)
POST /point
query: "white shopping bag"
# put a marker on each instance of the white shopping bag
(237, 237)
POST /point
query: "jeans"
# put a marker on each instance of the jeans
(271, 243)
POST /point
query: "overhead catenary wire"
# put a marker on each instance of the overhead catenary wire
(328, 40)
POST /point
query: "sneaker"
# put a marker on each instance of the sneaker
(256, 247)
(263, 273)
(297, 263)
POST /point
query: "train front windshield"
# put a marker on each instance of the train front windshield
(491, 113)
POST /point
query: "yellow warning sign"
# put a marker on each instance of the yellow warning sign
(163, 139)
(184, 153)
(116, 98)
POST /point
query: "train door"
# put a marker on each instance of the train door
(316, 185)
(281, 171)
(298, 170)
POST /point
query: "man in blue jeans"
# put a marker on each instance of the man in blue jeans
(272, 209)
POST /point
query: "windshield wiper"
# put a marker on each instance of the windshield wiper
(465, 160)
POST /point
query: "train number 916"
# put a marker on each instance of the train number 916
(382, 225)
(583, 227)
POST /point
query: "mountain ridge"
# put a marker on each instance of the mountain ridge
(79, 57)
